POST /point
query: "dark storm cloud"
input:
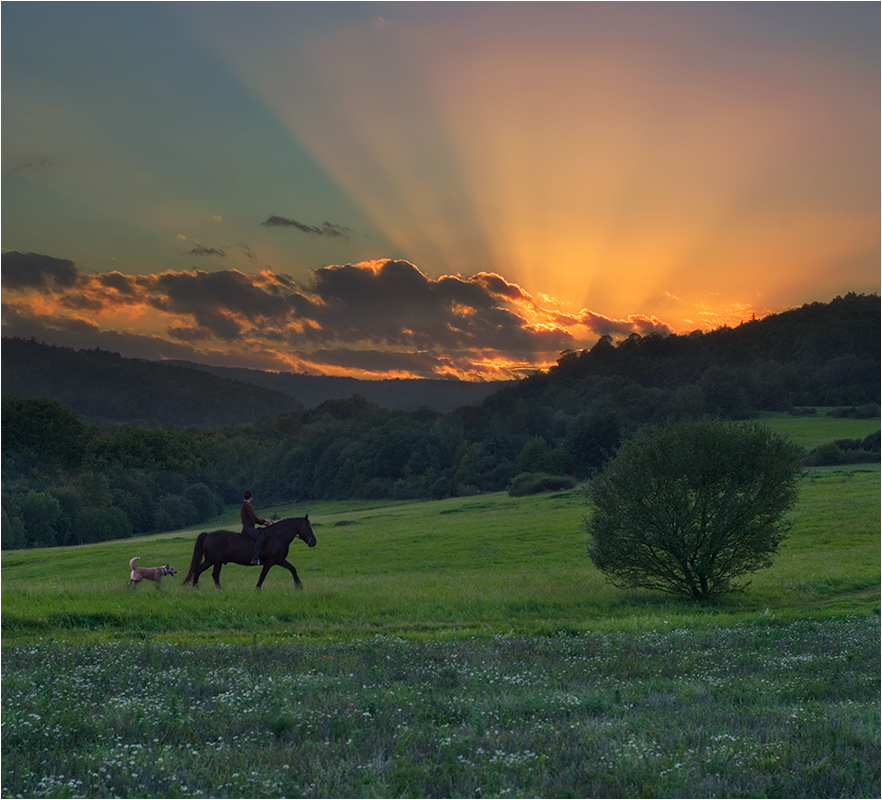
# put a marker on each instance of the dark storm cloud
(35, 271)
(228, 291)
(122, 284)
(188, 333)
(329, 229)
(393, 302)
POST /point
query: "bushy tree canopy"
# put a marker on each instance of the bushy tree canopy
(692, 506)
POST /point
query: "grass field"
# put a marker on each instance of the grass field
(813, 430)
(464, 647)
(488, 565)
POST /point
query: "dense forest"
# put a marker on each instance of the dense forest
(68, 482)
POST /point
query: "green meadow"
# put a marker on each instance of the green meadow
(816, 429)
(477, 566)
(456, 648)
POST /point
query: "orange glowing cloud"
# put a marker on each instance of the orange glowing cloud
(376, 319)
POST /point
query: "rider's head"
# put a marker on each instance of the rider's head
(248, 495)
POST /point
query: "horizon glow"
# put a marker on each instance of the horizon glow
(641, 167)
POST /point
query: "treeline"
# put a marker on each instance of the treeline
(65, 482)
(822, 354)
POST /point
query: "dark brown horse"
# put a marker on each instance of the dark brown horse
(221, 547)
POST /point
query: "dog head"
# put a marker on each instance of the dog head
(169, 570)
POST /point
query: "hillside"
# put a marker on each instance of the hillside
(103, 387)
(396, 394)
(821, 354)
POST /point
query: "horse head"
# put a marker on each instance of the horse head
(304, 531)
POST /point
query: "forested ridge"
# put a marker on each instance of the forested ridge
(65, 481)
(103, 387)
(401, 394)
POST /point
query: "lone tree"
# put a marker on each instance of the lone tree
(692, 506)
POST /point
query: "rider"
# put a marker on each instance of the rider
(249, 520)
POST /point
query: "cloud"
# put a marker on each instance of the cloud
(33, 164)
(381, 362)
(34, 271)
(249, 253)
(329, 229)
(634, 323)
(202, 250)
(394, 303)
(376, 318)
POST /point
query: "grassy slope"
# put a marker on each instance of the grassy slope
(463, 566)
(811, 431)
(480, 565)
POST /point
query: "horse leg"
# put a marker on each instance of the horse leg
(199, 570)
(263, 572)
(216, 574)
(290, 567)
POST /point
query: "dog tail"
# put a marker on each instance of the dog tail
(197, 556)
(132, 562)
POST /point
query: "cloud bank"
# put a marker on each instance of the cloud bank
(382, 318)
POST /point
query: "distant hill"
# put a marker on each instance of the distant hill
(103, 387)
(396, 394)
(820, 354)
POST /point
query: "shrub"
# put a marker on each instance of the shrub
(533, 483)
(868, 411)
(692, 506)
(845, 451)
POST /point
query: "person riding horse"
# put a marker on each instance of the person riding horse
(249, 522)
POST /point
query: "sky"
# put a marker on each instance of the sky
(430, 189)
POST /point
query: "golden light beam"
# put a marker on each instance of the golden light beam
(647, 163)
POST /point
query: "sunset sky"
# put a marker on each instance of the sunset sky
(429, 189)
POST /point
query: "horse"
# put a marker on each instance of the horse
(221, 547)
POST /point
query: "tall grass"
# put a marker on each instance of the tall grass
(757, 710)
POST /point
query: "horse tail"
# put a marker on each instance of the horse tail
(197, 556)
(132, 562)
